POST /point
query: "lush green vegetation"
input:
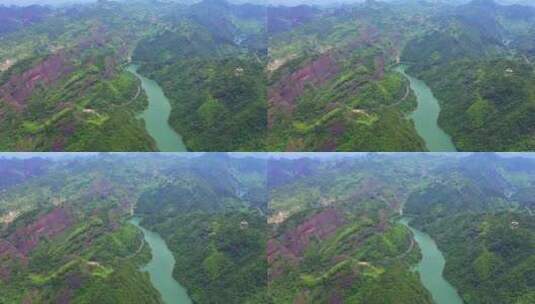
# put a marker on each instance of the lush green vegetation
(328, 228)
(477, 63)
(90, 261)
(220, 258)
(489, 104)
(469, 205)
(72, 239)
(497, 266)
(213, 222)
(213, 72)
(363, 261)
(246, 77)
(351, 102)
(78, 98)
(475, 57)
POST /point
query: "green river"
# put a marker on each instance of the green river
(160, 268)
(156, 116)
(431, 267)
(426, 116)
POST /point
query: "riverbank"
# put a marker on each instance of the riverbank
(157, 114)
(431, 268)
(425, 116)
(160, 268)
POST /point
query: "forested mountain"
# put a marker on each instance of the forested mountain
(64, 84)
(336, 237)
(240, 76)
(211, 66)
(270, 229)
(478, 62)
(65, 235)
(333, 83)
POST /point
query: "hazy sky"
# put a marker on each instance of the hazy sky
(276, 2)
(28, 2)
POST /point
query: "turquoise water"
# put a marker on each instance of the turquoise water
(431, 268)
(156, 116)
(160, 268)
(426, 116)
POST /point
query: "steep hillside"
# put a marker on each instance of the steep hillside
(65, 88)
(330, 85)
(211, 66)
(65, 235)
(497, 266)
(478, 63)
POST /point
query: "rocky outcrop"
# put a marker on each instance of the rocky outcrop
(20, 88)
(284, 94)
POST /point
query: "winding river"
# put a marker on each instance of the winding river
(431, 268)
(160, 268)
(156, 116)
(426, 116)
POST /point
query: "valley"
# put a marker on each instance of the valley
(342, 239)
(431, 268)
(257, 77)
(65, 83)
(277, 228)
(426, 116)
(74, 240)
(332, 77)
(161, 267)
(158, 111)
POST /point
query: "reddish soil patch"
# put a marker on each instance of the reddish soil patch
(283, 95)
(293, 243)
(290, 247)
(319, 226)
(9, 254)
(47, 226)
(20, 88)
(379, 67)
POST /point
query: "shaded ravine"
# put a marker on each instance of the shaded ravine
(431, 268)
(426, 116)
(160, 268)
(156, 116)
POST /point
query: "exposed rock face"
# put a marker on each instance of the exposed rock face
(284, 94)
(19, 88)
(48, 226)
